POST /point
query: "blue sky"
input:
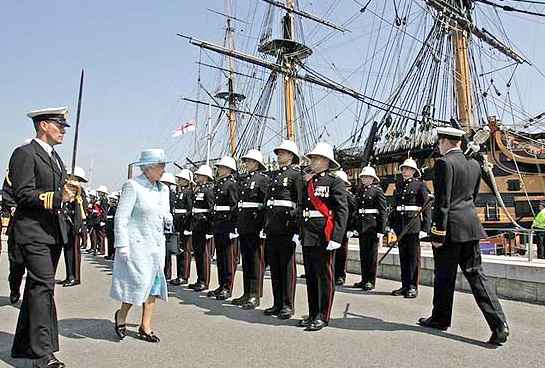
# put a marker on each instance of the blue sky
(136, 70)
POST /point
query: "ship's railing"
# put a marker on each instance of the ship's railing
(512, 241)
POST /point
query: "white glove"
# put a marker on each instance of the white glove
(422, 234)
(233, 235)
(187, 233)
(332, 245)
(380, 238)
(355, 234)
(262, 234)
(296, 240)
(208, 236)
(122, 254)
(102, 223)
(349, 234)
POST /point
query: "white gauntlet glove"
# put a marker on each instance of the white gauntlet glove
(332, 245)
(296, 240)
(208, 236)
(380, 238)
(262, 234)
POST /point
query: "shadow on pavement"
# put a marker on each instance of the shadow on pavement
(90, 328)
(360, 322)
(6, 339)
(215, 307)
(4, 301)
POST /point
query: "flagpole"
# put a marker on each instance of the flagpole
(209, 140)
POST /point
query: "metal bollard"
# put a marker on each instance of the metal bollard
(530, 245)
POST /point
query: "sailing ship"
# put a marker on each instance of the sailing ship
(426, 68)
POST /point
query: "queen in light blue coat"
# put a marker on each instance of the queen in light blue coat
(140, 220)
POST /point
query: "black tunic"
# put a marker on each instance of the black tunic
(254, 187)
(225, 205)
(370, 214)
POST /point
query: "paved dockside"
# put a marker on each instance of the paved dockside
(366, 330)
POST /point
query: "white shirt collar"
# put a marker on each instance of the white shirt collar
(453, 149)
(47, 147)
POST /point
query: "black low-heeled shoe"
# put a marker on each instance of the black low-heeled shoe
(149, 337)
(120, 330)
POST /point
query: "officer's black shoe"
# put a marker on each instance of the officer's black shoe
(358, 285)
(251, 303)
(199, 287)
(192, 286)
(272, 311)
(69, 283)
(316, 325)
(240, 301)
(411, 293)
(429, 322)
(175, 282)
(214, 293)
(400, 292)
(302, 276)
(339, 281)
(499, 335)
(285, 313)
(224, 294)
(305, 322)
(48, 362)
(368, 286)
(14, 297)
(109, 258)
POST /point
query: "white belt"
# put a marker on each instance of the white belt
(367, 211)
(179, 211)
(109, 217)
(200, 210)
(222, 208)
(281, 203)
(408, 208)
(249, 205)
(313, 214)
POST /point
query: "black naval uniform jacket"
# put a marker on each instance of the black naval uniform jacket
(37, 182)
(370, 214)
(254, 188)
(331, 190)
(410, 194)
(8, 202)
(352, 211)
(286, 186)
(456, 184)
(225, 196)
(182, 209)
(203, 199)
(74, 211)
(110, 218)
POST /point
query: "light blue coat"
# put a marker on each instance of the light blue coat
(139, 224)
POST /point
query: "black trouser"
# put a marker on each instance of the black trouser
(225, 260)
(36, 334)
(110, 236)
(320, 282)
(468, 256)
(409, 260)
(84, 234)
(183, 260)
(168, 266)
(281, 259)
(540, 238)
(16, 265)
(252, 263)
(72, 256)
(368, 256)
(341, 255)
(97, 239)
(201, 249)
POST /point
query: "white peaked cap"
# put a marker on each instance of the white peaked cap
(227, 161)
(78, 173)
(324, 150)
(449, 132)
(102, 189)
(369, 171)
(255, 155)
(185, 174)
(289, 146)
(343, 176)
(205, 170)
(168, 178)
(412, 164)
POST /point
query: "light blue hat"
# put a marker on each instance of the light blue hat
(152, 156)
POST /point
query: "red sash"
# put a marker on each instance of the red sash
(323, 209)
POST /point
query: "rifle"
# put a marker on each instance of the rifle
(406, 228)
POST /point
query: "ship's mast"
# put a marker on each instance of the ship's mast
(289, 81)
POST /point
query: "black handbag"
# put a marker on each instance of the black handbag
(173, 243)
